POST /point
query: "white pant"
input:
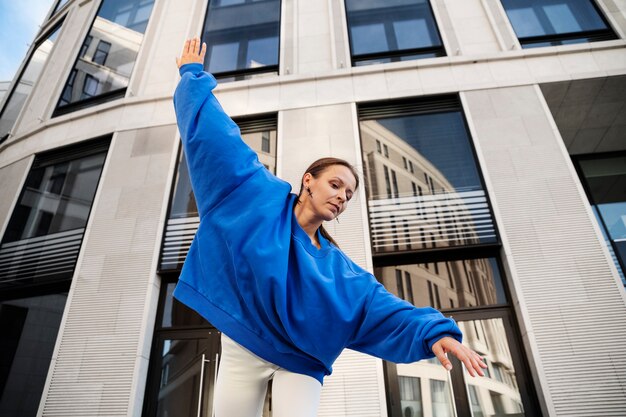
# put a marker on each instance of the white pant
(242, 384)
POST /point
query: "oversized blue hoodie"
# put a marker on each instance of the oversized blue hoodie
(253, 272)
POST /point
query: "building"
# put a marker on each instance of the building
(491, 138)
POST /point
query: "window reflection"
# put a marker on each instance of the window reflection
(56, 198)
(385, 31)
(108, 54)
(26, 82)
(445, 285)
(436, 199)
(556, 22)
(242, 36)
(497, 393)
(425, 390)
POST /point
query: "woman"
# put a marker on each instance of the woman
(263, 270)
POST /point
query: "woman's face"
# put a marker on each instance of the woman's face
(332, 189)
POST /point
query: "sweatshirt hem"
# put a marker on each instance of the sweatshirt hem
(247, 338)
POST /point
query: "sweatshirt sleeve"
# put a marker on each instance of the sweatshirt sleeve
(217, 157)
(395, 330)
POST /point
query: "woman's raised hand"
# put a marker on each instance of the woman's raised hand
(472, 360)
(192, 52)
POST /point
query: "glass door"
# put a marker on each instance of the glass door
(183, 375)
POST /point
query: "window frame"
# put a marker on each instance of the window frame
(557, 39)
(395, 56)
(239, 75)
(419, 255)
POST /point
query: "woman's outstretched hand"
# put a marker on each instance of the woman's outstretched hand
(192, 52)
(472, 360)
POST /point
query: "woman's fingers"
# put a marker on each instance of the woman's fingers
(441, 355)
(193, 51)
(472, 360)
(203, 51)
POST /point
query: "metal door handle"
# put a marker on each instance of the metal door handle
(202, 362)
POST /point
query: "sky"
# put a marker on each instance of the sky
(19, 24)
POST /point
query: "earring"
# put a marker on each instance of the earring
(337, 218)
(308, 190)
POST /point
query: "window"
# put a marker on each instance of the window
(388, 31)
(102, 52)
(432, 230)
(44, 234)
(242, 38)
(556, 22)
(24, 84)
(604, 179)
(183, 217)
(102, 73)
(450, 189)
(410, 396)
(29, 328)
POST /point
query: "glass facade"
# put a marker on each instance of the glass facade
(242, 37)
(387, 31)
(29, 328)
(24, 85)
(107, 57)
(43, 237)
(556, 22)
(434, 243)
(604, 177)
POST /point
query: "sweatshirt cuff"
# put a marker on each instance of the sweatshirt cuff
(194, 68)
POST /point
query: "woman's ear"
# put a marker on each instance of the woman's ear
(306, 179)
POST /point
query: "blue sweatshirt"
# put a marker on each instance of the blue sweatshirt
(253, 272)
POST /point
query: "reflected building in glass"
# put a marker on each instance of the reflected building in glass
(490, 140)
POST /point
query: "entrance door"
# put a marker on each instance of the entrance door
(183, 375)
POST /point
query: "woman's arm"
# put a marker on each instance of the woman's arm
(217, 157)
(395, 330)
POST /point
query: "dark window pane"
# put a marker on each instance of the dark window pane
(553, 18)
(176, 314)
(453, 210)
(605, 178)
(25, 83)
(452, 284)
(29, 329)
(118, 30)
(56, 198)
(241, 36)
(384, 27)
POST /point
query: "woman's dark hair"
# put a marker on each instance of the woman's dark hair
(315, 169)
